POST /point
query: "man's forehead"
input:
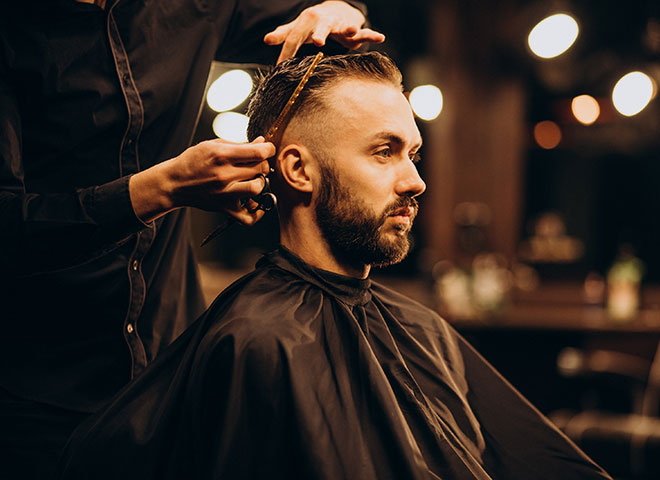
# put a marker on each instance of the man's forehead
(377, 108)
(358, 89)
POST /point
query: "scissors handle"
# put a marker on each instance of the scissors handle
(265, 201)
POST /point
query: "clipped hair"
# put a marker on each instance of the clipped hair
(276, 87)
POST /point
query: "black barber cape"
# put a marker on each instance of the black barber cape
(299, 373)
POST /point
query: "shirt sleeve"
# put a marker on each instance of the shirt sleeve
(53, 230)
(251, 20)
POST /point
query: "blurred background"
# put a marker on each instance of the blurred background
(538, 233)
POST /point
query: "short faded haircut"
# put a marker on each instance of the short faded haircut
(277, 86)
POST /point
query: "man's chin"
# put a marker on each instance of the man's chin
(396, 230)
(393, 251)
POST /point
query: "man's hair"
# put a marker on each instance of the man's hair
(277, 86)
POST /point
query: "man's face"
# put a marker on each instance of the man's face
(365, 204)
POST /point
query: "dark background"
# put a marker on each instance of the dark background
(601, 178)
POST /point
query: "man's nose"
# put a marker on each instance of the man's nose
(410, 183)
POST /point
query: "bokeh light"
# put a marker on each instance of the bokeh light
(553, 35)
(586, 109)
(231, 126)
(229, 90)
(426, 101)
(547, 134)
(632, 93)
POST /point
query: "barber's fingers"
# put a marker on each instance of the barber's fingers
(258, 140)
(277, 36)
(313, 25)
(229, 178)
(246, 188)
(320, 33)
(228, 152)
(241, 214)
(364, 35)
(291, 36)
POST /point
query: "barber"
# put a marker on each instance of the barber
(98, 105)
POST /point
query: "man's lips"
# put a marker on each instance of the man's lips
(403, 212)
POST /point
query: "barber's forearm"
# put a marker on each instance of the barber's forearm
(212, 175)
(43, 232)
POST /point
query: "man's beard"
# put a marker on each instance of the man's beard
(355, 233)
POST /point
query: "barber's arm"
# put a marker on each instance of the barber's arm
(49, 230)
(212, 175)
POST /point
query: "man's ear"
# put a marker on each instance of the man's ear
(297, 167)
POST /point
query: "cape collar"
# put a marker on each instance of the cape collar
(349, 290)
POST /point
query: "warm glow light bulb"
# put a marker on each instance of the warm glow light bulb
(229, 90)
(553, 35)
(231, 126)
(632, 93)
(547, 134)
(585, 108)
(426, 101)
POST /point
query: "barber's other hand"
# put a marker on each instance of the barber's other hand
(212, 175)
(335, 19)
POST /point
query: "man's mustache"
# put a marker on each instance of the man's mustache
(402, 202)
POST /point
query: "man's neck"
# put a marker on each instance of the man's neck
(308, 243)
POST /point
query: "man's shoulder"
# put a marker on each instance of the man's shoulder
(257, 320)
(407, 310)
(263, 304)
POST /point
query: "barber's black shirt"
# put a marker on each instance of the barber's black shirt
(90, 294)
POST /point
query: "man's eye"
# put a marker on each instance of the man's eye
(385, 152)
(415, 157)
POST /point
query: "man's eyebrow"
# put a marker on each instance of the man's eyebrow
(396, 139)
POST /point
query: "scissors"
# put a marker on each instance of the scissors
(266, 200)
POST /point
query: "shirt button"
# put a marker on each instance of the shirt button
(135, 265)
(129, 141)
(129, 328)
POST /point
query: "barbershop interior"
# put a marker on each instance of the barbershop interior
(537, 234)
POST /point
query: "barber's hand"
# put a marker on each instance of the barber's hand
(335, 19)
(212, 175)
